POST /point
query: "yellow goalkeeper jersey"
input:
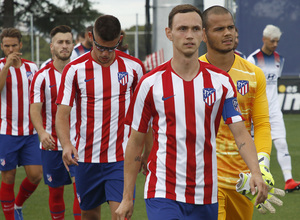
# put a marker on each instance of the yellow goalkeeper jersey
(250, 83)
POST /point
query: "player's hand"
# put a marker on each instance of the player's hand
(47, 140)
(243, 187)
(125, 210)
(69, 156)
(13, 58)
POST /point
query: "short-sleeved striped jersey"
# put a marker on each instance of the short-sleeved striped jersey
(102, 98)
(185, 117)
(251, 95)
(44, 89)
(272, 66)
(14, 100)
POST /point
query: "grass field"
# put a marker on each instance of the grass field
(36, 207)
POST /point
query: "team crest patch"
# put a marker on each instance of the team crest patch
(209, 96)
(29, 75)
(123, 78)
(49, 178)
(2, 162)
(236, 105)
(242, 87)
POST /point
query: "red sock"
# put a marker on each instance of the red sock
(76, 207)
(7, 197)
(25, 191)
(56, 202)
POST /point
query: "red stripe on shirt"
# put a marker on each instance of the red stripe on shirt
(90, 90)
(190, 141)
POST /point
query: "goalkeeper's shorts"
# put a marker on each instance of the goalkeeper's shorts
(233, 205)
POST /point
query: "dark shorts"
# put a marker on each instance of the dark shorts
(19, 151)
(54, 171)
(166, 209)
(97, 183)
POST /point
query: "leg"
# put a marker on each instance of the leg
(7, 194)
(56, 202)
(283, 157)
(76, 207)
(29, 184)
(113, 207)
(92, 214)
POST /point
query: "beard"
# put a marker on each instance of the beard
(213, 46)
(63, 58)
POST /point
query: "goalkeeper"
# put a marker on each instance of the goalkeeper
(219, 36)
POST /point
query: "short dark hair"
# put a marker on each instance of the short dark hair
(89, 29)
(11, 32)
(185, 8)
(107, 27)
(60, 29)
(217, 10)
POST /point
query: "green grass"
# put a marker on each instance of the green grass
(36, 207)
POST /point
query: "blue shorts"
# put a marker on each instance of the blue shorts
(97, 183)
(19, 151)
(54, 171)
(162, 209)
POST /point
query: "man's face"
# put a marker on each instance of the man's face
(103, 57)
(10, 45)
(270, 45)
(186, 33)
(62, 46)
(220, 34)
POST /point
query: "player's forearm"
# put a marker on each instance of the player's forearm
(132, 165)
(36, 118)
(62, 126)
(3, 76)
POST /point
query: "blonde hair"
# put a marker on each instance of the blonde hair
(272, 32)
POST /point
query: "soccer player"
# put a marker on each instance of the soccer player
(272, 63)
(101, 82)
(183, 100)
(43, 94)
(219, 36)
(19, 143)
(236, 43)
(84, 46)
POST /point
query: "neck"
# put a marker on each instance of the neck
(223, 61)
(186, 67)
(60, 64)
(266, 51)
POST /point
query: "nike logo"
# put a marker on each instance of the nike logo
(56, 217)
(50, 86)
(87, 80)
(166, 98)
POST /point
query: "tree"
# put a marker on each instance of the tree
(46, 14)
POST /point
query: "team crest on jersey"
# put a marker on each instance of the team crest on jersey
(209, 96)
(242, 87)
(49, 178)
(78, 197)
(2, 161)
(123, 78)
(29, 74)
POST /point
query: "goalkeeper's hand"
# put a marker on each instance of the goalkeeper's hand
(243, 187)
(264, 164)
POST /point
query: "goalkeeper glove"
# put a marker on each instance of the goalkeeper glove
(264, 164)
(243, 187)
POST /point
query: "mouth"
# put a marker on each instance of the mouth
(227, 41)
(190, 44)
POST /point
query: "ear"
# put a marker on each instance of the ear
(121, 38)
(90, 36)
(169, 33)
(21, 45)
(204, 37)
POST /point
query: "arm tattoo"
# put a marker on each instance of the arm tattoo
(138, 158)
(241, 145)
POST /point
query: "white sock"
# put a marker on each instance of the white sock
(283, 157)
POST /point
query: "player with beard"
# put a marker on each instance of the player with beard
(219, 36)
(43, 94)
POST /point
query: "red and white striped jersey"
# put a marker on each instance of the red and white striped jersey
(14, 100)
(185, 117)
(44, 89)
(102, 98)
